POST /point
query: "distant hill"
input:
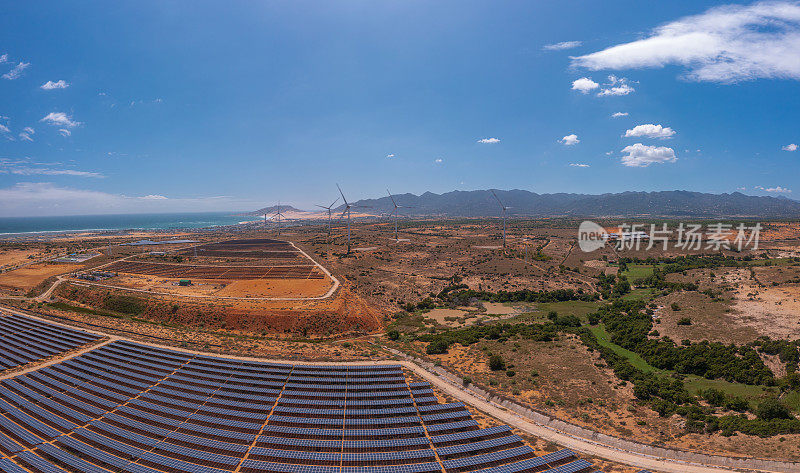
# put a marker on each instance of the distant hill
(524, 203)
(274, 209)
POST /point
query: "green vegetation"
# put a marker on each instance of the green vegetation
(124, 304)
(81, 310)
(604, 339)
(704, 382)
(496, 363)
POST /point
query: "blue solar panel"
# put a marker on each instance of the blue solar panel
(160, 410)
(7, 466)
(574, 467)
(491, 458)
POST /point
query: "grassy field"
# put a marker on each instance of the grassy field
(694, 384)
(643, 294)
(604, 338)
(538, 311)
(637, 271)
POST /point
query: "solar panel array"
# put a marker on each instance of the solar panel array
(23, 340)
(125, 407)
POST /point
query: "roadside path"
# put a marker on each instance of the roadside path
(60, 279)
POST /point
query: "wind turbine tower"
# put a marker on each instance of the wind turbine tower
(328, 208)
(504, 208)
(346, 211)
(395, 212)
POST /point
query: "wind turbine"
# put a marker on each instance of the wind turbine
(504, 217)
(395, 212)
(347, 208)
(277, 215)
(328, 208)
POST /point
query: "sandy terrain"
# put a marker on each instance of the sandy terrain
(223, 288)
(497, 308)
(13, 257)
(29, 276)
(277, 288)
(441, 316)
(773, 311)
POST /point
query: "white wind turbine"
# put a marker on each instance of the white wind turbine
(328, 208)
(395, 212)
(504, 217)
(278, 215)
(347, 207)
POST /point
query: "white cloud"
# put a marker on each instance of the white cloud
(790, 147)
(60, 119)
(619, 114)
(50, 85)
(54, 172)
(45, 198)
(725, 44)
(488, 140)
(616, 86)
(27, 133)
(584, 85)
(579, 165)
(4, 129)
(64, 132)
(639, 155)
(390, 155)
(438, 160)
(650, 131)
(776, 189)
(28, 167)
(569, 140)
(3, 58)
(561, 46)
(17, 71)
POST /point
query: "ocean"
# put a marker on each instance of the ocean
(73, 223)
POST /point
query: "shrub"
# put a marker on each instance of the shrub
(736, 404)
(715, 397)
(437, 347)
(496, 363)
(675, 307)
(684, 321)
(393, 334)
(772, 409)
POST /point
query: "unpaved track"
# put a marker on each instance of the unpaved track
(528, 425)
(60, 279)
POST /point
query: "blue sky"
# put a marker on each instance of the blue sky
(175, 106)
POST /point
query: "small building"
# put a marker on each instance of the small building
(185, 282)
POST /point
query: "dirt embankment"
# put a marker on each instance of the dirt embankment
(344, 314)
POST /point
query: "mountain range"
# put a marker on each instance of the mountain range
(481, 203)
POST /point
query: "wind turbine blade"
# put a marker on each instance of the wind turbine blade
(332, 203)
(343, 197)
(321, 206)
(391, 197)
(498, 198)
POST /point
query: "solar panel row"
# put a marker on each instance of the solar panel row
(23, 340)
(127, 407)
